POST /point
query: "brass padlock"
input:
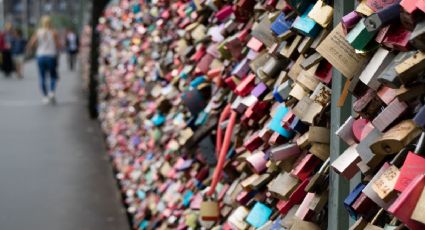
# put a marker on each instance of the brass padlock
(384, 186)
(395, 138)
(319, 180)
(283, 185)
(321, 13)
(371, 225)
(210, 210)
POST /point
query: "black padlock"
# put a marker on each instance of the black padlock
(382, 18)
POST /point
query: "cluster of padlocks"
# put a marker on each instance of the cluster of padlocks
(218, 113)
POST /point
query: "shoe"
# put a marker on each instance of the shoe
(52, 98)
(45, 100)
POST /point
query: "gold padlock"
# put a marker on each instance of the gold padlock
(209, 210)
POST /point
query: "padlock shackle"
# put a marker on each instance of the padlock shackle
(223, 152)
(219, 139)
(420, 145)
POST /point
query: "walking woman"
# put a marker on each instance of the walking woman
(47, 42)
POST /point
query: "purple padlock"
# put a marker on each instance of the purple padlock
(350, 20)
(260, 90)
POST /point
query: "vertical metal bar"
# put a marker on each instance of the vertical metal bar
(339, 187)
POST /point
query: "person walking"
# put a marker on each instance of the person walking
(7, 63)
(72, 45)
(47, 41)
(18, 44)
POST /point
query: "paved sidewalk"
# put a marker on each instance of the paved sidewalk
(54, 171)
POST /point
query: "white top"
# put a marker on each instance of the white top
(46, 45)
(72, 39)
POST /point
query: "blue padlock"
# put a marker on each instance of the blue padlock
(186, 198)
(306, 25)
(158, 119)
(351, 198)
(277, 96)
(259, 215)
(197, 81)
(280, 25)
(275, 125)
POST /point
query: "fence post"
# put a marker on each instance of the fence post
(339, 187)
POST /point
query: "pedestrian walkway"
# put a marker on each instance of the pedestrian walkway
(54, 170)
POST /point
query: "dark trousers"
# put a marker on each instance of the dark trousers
(72, 58)
(7, 63)
(47, 65)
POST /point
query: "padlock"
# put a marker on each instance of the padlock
(257, 162)
(364, 206)
(311, 60)
(380, 60)
(371, 225)
(297, 196)
(345, 131)
(418, 212)
(412, 92)
(209, 209)
(389, 77)
(413, 165)
(271, 68)
(305, 25)
(412, 67)
(382, 17)
(350, 20)
(287, 48)
(319, 180)
(308, 79)
(377, 5)
(346, 164)
(397, 38)
(393, 140)
(260, 91)
(387, 94)
(391, 113)
(304, 225)
(360, 224)
(320, 150)
(384, 185)
(403, 207)
(253, 142)
(364, 150)
(305, 167)
(304, 212)
(280, 25)
(351, 198)
(359, 37)
(284, 152)
(358, 128)
(409, 5)
(262, 32)
(321, 13)
(318, 134)
(277, 189)
(319, 201)
(274, 125)
(368, 105)
(237, 218)
(258, 215)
